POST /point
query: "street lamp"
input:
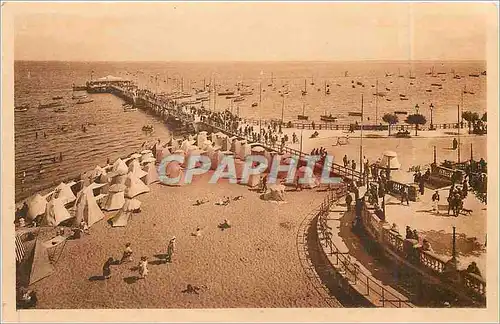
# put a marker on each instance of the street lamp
(431, 108)
(416, 108)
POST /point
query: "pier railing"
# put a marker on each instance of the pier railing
(395, 188)
(350, 270)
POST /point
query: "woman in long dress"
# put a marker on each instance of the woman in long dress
(143, 267)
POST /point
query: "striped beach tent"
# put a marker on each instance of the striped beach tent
(20, 249)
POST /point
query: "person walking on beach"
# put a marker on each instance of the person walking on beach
(143, 267)
(404, 195)
(106, 268)
(435, 202)
(127, 254)
(171, 249)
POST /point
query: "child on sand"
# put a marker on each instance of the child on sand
(171, 249)
(106, 268)
(127, 254)
(143, 267)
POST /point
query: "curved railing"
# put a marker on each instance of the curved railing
(350, 270)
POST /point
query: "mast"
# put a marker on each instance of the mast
(458, 120)
(272, 78)
(376, 103)
(282, 109)
(260, 107)
(361, 143)
(215, 93)
(303, 108)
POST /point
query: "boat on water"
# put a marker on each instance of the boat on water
(60, 110)
(380, 94)
(387, 89)
(303, 116)
(483, 73)
(456, 76)
(79, 97)
(22, 108)
(402, 95)
(328, 118)
(400, 112)
(304, 92)
(255, 104)
(403, 98)
(79, 87)
(440, 73)
(246, 93)
(49, 105)
(232, 96)
(226, 93)
(428, 90)
(359, 83)
(238, 99)
(84, 101)
(436, 84)
(388, 99)
(57, 98)
(475, 75)
(411, 83)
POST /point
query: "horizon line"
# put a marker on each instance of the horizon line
(252, 61)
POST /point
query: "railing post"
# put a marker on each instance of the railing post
(367, 285)
(383, 298)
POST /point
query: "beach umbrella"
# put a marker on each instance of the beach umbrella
(117, 187)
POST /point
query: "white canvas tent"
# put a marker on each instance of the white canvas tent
(119, 167)
(55, 212)
(86, 207)
(36, 206)
(115, 198)
(134, 186)
(64, 193)
(121, 218)
(151, 174)
(135, 169)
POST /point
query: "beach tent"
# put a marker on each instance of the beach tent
(119, 179)
(134, 186)
(86, 207)
(115, 198)
(135, 169)
(120, 219)
(275, 192)
(186, 144)
(97, 172)
(258, 150)
(41, 266)
(173, 170)
(307, 181)
(151, 174)
(55, 212)
(147, 156)
(245, 151)
(119, 167)
(236, 146)
(201, 138)
(132, 205)
(36, 206)
(161, 154)
(64, 193)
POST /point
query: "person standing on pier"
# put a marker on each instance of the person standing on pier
(404, 195)
(348, 201)
(435, 202)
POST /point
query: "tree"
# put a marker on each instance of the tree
(470, 118)
(416, 119)
(390, 119)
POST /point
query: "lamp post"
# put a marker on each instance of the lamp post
(431, 108)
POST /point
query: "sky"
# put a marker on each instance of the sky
(250, 31)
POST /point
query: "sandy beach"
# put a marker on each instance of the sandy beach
(253, 264)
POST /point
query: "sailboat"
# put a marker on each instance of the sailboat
(327, 89)
(411, 76)
(328, 118)
(303, 117)
(399, 74)
(304, 92)
(312, 80)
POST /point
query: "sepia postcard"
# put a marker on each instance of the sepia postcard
(249, 161)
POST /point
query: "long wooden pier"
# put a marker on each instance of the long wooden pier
(165, 107)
